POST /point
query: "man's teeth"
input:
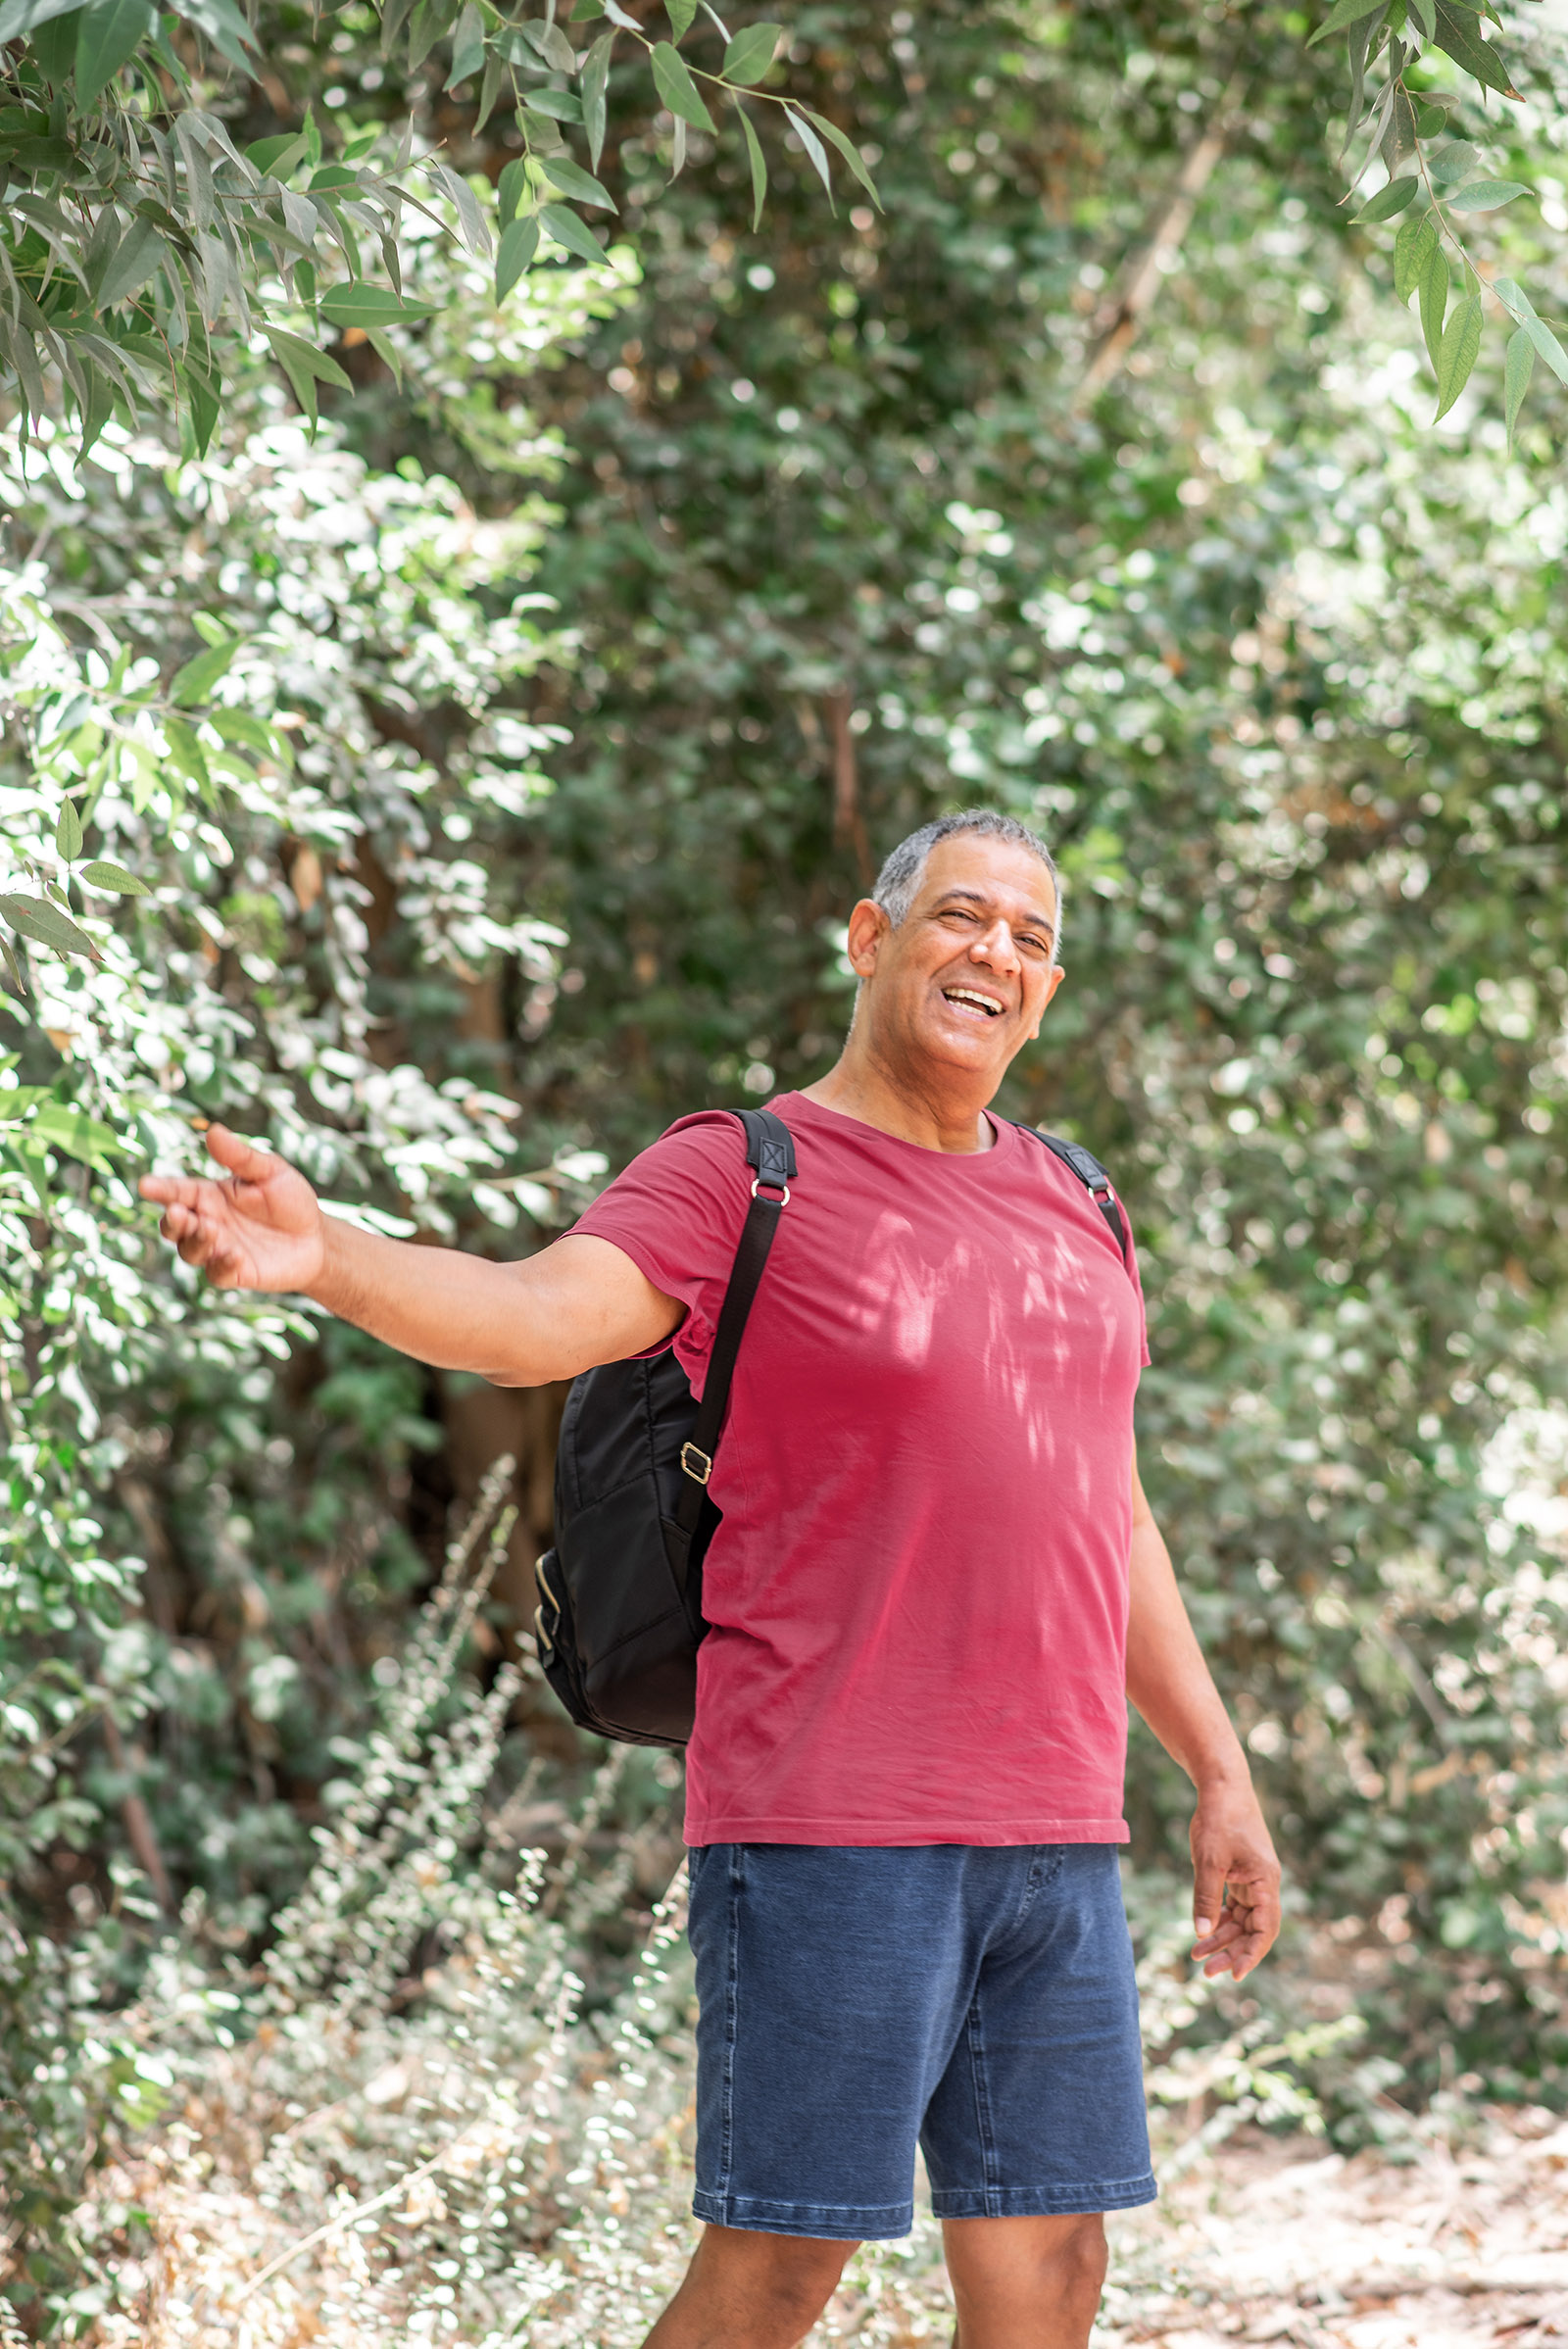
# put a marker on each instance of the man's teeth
(966, 994)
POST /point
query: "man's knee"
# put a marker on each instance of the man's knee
(788, 2279)
(1078, 2260)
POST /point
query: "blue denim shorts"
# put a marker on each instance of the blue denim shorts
(854, 2001)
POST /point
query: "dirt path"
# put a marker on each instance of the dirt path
(1458, 2242)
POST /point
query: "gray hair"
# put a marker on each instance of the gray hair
(903, 870)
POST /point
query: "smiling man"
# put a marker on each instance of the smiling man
(934, 1589)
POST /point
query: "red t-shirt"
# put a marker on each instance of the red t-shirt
(918, 1593)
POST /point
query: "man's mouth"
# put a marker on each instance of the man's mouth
(971, 1001)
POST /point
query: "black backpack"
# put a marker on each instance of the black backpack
(619, 1618)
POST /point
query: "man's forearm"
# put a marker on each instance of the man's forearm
(454, 1311)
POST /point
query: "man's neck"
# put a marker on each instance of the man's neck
(933, 1119)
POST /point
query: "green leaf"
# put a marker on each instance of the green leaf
(1426, 16)
(1431, 122)
(185, 751)
(1485, 195)
(277, 156)
(1515, 301)
(595, 80)
(758, 164)
(1343, 13)
(813, 148)
(41, 920)
(468, 46)
(68, 833)
(221, 22)
(1413, 247)
(750, 53)
(1450, 163)
(304, 367)
(204, 391)
(851, 154)
(65, 1127)
(511, 191)
(54, 49)
(106, 37)
(20, 17)
(680, 14)
(1548, 348)
(552, 44)
(1518, 367)
(192, 685)
(566, 229)
(368, 306)
(1457, 34)
(139, 253)
(386, 352)
(1457, 350)
(677, 87)
(519, 242)
(570, 180)
(560, 105)
(112, 880)
(1397, 197)
(17, 1100)
(1434, 299)
(333, 177)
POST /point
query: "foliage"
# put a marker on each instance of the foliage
(1436, 184)
(498, 765)
(145, 253)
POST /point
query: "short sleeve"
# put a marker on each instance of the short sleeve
(677, 1212)
(1133, 1274)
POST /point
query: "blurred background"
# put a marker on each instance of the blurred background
(565, 693)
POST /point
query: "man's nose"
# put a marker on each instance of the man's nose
(995, 947)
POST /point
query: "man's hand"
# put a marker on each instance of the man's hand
(1236, 1881)
(262, 1228)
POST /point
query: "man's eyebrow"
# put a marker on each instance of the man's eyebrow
(973, 897)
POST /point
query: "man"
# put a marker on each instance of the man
(935, 1586)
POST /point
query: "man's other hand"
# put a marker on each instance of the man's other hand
(260, 1228)
(1236, 1881)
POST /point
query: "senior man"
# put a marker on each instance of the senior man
(936, 1585)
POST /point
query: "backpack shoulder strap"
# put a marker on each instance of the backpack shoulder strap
(771, 1154)
(1092, 1176)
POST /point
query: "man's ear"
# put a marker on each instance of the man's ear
(869, 926)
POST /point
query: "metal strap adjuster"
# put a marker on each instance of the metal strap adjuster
(698, 1464)
(774, 1184)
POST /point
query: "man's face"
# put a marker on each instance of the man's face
(964, 978)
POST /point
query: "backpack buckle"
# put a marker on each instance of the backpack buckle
(698, 1464)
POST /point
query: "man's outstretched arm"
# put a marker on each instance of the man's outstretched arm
(573, 1304)
(1235, 1877)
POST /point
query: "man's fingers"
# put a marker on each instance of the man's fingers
(167, 1191)
(238, 1156)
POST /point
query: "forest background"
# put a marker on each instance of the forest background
(498, 762)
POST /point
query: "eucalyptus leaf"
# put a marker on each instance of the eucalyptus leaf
(680, 14)
(1458, 352)
(193, 684)
(519, 242)
(568, 178)
(1485, 195)
(1547, 347)
(758, 164)
(1434, 291)
(1413, 247)
(814, 147)
(1346, 13)
(112, 879)
(1397, 197)
(564, 225)
(751, 54)
(68, 833)
(1518, 366)
(39, 919)
(595, 80)
(1457, 35)
(677, 87)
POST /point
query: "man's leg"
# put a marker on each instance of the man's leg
(1025, 2284)
(746, 2291)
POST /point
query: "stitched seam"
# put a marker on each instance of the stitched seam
(731, 2020)
(981, 2110)
(1043, 1869)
